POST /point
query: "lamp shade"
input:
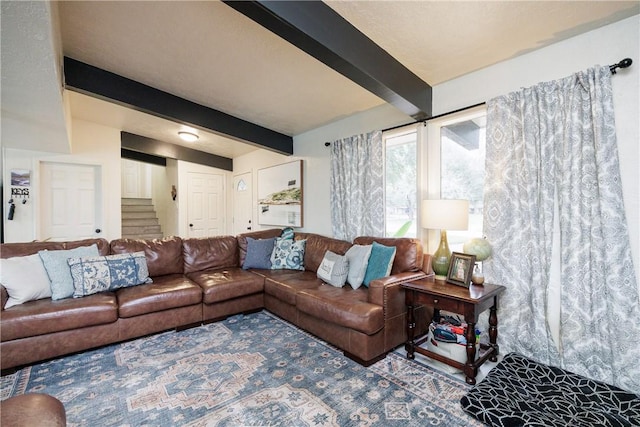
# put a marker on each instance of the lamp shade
(445, 214)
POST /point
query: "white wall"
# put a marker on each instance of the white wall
(92, 144)
(252, 162)
(161, 195)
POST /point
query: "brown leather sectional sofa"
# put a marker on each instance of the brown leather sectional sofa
(198, 280)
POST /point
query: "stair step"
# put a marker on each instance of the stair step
(143, 236)
(141, 230)
(138, 208)
(136, 202)
(139, 222)
(137, 215)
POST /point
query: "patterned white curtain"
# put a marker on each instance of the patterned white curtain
(357, 194)
(553, 147)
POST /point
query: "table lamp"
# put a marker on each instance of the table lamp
(444, 215)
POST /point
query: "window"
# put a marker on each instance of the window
(454, 169)
(462, 148)
(442, 160)
(401, 183)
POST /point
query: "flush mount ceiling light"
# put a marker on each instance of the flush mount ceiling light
(188, 136)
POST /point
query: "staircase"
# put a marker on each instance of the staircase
(139, 220)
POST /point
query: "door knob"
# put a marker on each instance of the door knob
(190, 225)
(248, 228)
(98, 231)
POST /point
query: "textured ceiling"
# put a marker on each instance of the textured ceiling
(208, 53)
(442, 40)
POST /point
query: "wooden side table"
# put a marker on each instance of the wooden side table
(469, 302)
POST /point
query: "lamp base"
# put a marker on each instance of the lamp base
(441, 258)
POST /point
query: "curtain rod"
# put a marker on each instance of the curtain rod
(625, 63)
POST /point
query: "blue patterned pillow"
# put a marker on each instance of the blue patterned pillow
(380, 262)
(106, 273)
(258, 253)
(288, 254)
(55, 262)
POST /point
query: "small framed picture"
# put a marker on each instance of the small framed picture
(461, 269)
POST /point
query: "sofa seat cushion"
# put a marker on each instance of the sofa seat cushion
(225, 284)
(342, 306)
(285, 287)
(170, 291)
(47, 316)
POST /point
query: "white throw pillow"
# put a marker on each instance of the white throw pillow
(358, 257)
(25, 279)
(333, 269)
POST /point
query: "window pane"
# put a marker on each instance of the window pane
(462, 173)
(400, 185)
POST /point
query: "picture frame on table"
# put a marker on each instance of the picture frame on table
(461, 269)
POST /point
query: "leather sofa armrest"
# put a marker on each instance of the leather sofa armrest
(387, 292)
(426, 264)
(33, 409)
(4, 295)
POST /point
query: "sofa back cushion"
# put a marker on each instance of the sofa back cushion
(409, 252)
(10, 250)
(209, 252)
(262, 234)
(102, 244)
(317, 246)
(164, 256)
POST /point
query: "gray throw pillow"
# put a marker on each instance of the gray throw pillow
(358, 257)
(333, 269)
(55, 262)
(258, 253)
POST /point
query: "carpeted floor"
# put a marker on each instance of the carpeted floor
(254, 370)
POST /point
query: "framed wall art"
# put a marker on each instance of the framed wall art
(461, 269)
(280, 195)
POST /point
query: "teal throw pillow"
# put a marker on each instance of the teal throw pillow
(288, 254)
(258, 253)
(380, 262)
(107, 273)
(287, 233)
(55, 262)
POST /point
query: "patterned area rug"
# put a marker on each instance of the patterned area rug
(253, 370)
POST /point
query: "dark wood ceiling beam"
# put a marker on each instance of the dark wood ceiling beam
(160, 149)
(103, 84)
(322, 33)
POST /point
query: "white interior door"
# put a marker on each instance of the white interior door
(242, 203)
(136, 179)
(206, 210)
(70, 203)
